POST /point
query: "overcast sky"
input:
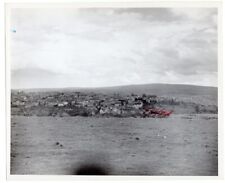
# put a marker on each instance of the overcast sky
(106, 47)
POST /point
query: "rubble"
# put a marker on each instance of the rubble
(94, 104)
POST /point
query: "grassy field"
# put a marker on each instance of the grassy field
(178, 145)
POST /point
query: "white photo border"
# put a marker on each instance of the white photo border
(116, 4)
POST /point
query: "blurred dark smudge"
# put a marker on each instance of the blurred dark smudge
(92, 163)
(91, 169)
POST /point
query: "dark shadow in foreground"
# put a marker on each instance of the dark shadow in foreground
(91, 169)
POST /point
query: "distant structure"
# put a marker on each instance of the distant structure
(86, 104)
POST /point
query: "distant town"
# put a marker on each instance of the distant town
(100, 105)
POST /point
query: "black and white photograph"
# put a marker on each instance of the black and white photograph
(113, 91)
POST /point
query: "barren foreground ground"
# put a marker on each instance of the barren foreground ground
(178, 145)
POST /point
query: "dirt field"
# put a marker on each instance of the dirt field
(178, 145)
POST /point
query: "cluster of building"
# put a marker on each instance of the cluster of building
(71, 103)
(79, 103)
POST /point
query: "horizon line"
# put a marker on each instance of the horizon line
(98, 87)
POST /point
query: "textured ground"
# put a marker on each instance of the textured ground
(178, 145)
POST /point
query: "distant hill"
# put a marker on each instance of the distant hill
(178, 98)
(158, 89)
(153, 89)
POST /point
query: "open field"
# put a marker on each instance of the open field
(183, 144)
(106, 131)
